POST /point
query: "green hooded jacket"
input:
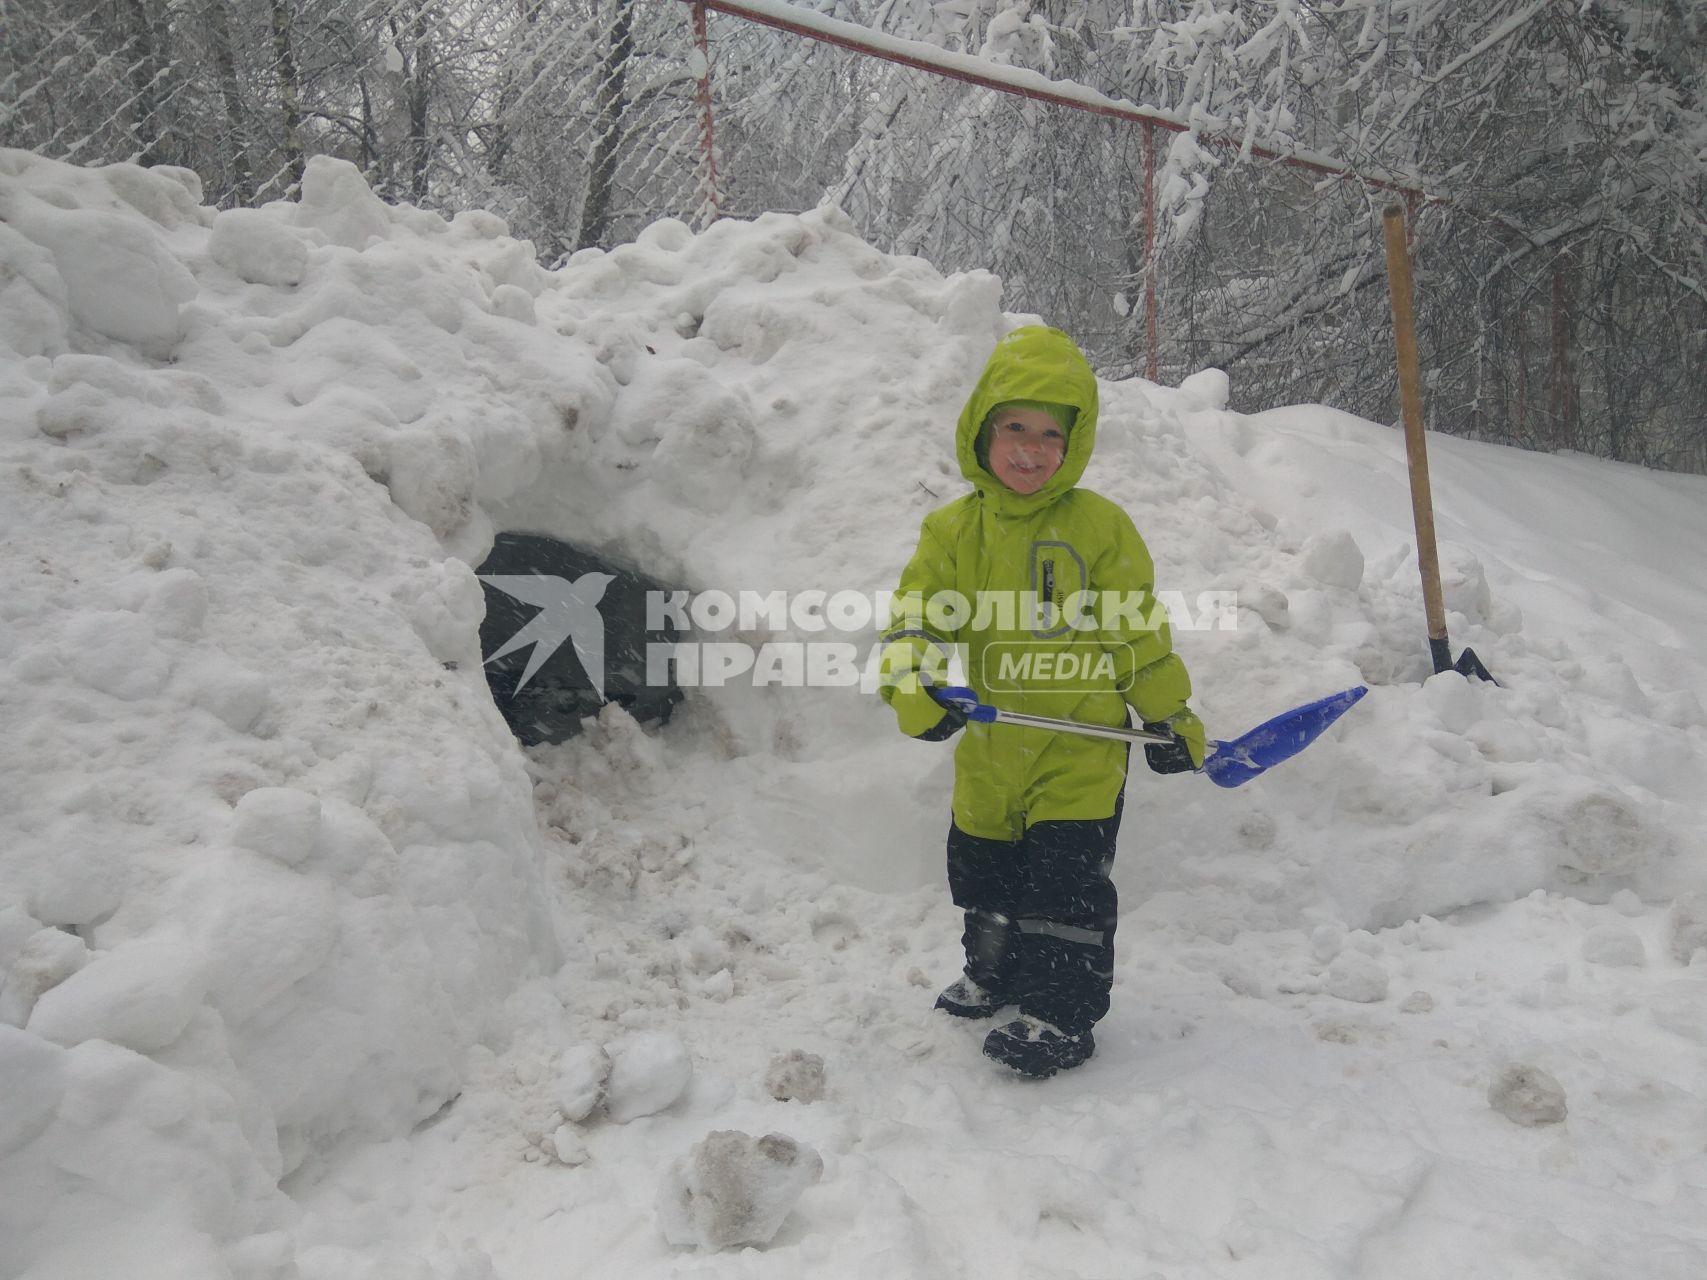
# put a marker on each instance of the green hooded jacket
(1059, 616)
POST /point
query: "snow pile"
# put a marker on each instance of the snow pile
(267, 824)
(268, 860)
(116, 1163)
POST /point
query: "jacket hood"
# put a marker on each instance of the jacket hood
(1039, 364)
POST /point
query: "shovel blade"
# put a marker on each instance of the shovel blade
(1234, 763)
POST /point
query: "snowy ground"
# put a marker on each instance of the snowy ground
(305, 962)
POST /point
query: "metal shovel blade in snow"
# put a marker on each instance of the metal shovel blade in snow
(1228, 764)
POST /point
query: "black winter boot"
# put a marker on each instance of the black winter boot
(964, 998)
(1037, 1048)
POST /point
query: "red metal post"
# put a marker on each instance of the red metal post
(1520, 411)
(705, 129)
(1150, 364)
(1562, 389)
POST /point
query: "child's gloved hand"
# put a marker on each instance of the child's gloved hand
(1188, 749)
(919, 714)
(907, 690)
(963, 702)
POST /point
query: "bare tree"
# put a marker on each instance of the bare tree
(290, 89)
(218, 19)
(612, 99)
(148, 70)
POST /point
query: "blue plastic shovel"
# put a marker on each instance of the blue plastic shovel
(1229, 764)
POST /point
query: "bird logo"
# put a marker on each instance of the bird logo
(567, 611)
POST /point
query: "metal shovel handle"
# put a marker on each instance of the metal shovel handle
(1120, 733)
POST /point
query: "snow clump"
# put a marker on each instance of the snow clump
(280, 823)
(141, 995)
(1357, 977)
(649, 1070)
(1527, 1096)
(258, 248)
(734, 1189)
(1680, 1006)
(579, 1086)
(1687, 927)
(47, 958)
(1334, 559)
(795, 1076)
(1615, 946)
(1207, 389)
(115, 273)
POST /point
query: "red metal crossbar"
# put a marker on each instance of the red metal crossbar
(846, 35)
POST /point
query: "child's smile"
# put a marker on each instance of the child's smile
(1026, 448)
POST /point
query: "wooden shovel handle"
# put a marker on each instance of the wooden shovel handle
(1410, 403)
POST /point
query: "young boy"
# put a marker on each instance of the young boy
(1070, 629)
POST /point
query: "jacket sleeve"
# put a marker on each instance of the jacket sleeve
(1133, 627)
(910, 644)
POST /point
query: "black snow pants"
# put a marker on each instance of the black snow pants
(1040, 916)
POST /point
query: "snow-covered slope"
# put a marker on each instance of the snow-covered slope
(276, 885)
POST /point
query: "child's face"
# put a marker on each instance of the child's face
(1026, 448)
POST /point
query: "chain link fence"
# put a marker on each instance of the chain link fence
(576, 120)
(581, 121)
